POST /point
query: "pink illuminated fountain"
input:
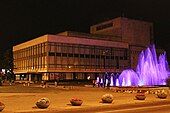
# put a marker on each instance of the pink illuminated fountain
(128, 78)
(149, 71)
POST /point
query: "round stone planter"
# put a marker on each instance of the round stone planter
(43, 103)
(2, 106)
(107, 98)
(76, 102)
(107, 101)
(162, 95)
(140, 96)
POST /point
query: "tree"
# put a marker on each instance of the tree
(1, 78)
(7, 64)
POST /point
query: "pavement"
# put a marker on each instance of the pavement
(59, 101)
(146, 109)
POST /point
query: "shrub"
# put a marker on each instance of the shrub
(0, 81)
(107, 98)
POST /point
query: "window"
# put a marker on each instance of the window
(51, 54)
(104, 26)
(64, 54)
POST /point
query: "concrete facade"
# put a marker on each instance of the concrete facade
(134, 32)
(51, 56)
(138, 34)
(111, 46)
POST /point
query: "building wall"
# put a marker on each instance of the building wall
(137, 32)
(111, 27)
(67, 55)
(31, 59)
(76, 56)
(30, 43)
(134, 32)
(134, 55)
(84, 58)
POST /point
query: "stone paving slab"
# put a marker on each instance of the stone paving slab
(92, 109)
(25, 102)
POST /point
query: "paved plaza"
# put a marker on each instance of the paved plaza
(23, 98)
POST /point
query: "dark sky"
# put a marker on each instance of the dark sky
(22, 20)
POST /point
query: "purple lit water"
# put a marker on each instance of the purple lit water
(128, 78)
(149, 71)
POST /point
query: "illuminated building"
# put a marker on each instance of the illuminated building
(110, 47)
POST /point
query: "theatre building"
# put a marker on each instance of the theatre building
(78, 56)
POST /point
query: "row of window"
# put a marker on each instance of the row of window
(56, 55)
(87, 56)
(42, 49)
(100, 27)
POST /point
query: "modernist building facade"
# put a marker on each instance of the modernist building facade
(138, 34)
(111, 46)
(52, 56)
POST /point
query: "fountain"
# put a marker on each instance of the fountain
(128, 78)
(150, 71)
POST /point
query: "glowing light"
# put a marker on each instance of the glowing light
(117, 82)
(98, 81)
(88, 78)
(149, 71)
(111, 81)
(128, 78)
(101, 81)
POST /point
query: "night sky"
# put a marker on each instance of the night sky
(22, 20)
